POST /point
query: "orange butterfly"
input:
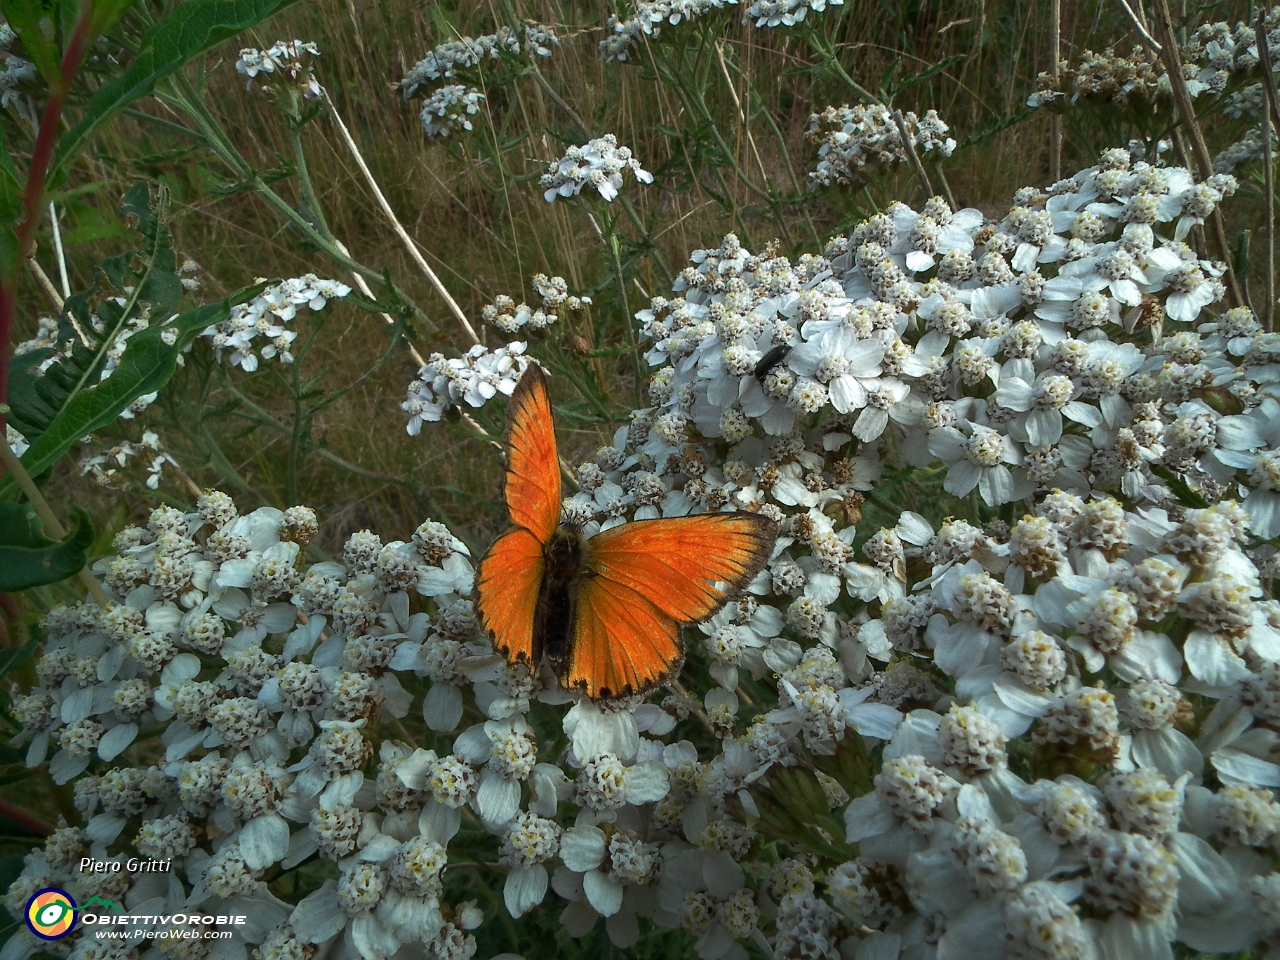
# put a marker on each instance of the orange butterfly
(606, 612)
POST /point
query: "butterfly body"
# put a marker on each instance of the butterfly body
(565, 557)
(604, 611)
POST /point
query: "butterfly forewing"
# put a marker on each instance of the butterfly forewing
(533, 465)
(507, 593)
(676, 563)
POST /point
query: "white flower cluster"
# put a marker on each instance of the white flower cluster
(647, 21)
(511, 318)
(466, 53)
(105, 465)
(648, 17)
(1249, 148)
(1048, 737)
(267, 315)
(1025, 354)
(784, 13)
(450, 108)
(1085, 632)
(1214, 57)
(287, 63)
(474, 379)
(854, 140)
(600, 163)
(266, 677)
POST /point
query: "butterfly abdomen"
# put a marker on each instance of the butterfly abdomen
(565, 556)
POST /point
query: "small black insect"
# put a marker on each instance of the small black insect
(771, 360)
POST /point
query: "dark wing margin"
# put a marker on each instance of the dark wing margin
(622, 643)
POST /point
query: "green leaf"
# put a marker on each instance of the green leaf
(10, 211)
(36, 24)
(106, 13)
(893, 89)
(11, 660)
(187, 32)
(70, 398)
(7, 170)
(148, 362)
(123, 287)
(30, 559)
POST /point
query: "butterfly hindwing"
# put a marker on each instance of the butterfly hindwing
(507, 589)
(676, 563)
(533, 466)
(622, 644)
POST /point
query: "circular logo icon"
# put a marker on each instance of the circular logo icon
(51, 913)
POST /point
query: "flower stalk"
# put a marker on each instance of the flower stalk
(33, 194)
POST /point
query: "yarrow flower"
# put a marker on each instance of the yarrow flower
(449, 109)
(649, 16)
(853, 141)
(287, 63)
(447, 59)
(474, 379)
(599, 164)
(267, 316)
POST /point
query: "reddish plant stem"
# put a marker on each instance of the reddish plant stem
(37, 176)
(24, 819)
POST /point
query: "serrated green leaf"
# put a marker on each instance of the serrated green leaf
(188, 31)
(893, 89)
(123, 287)
(30, 559)
(36, 24)
(29, 411)
(146, 365)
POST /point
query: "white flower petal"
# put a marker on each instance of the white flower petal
(1206, 881)
(116, 740)
(603, 893)
(524, 889)
(583, 848)
(647, 782)
(442, 707)
(319, 917)
(264, 840)
(497, 799)
(1241, 767)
